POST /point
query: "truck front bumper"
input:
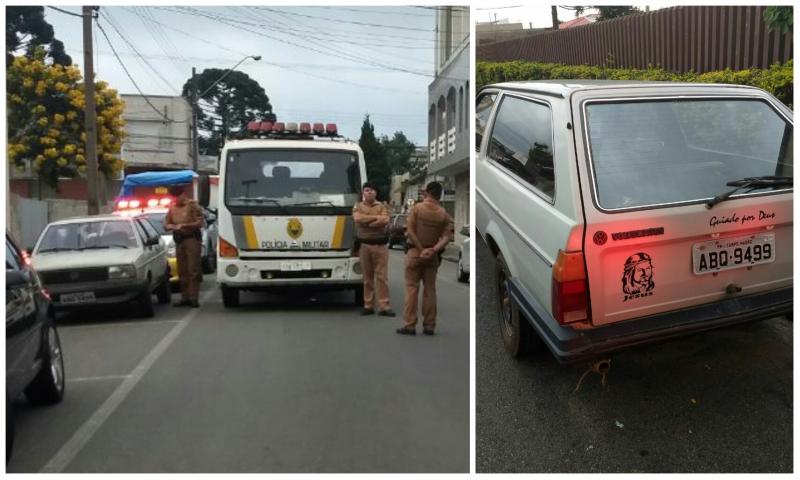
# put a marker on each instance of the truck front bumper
(334, 271)
(570, 345)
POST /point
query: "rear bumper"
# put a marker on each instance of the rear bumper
(569, 345)
(105, 293)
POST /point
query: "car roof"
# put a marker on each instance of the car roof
(93, 218)
(564, 87)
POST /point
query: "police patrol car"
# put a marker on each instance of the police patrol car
(622, 213)
(286, 194)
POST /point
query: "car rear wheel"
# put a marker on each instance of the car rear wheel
(47, 387)
(518, 336)
(230, 297)
(164, 292)
(462, 275)
(210, 262)
(145, 304)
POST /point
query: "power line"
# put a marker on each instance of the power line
(109, 19)
(331, 52)
(352, 22)
(124, 68)
(380, 11)
(65, 11)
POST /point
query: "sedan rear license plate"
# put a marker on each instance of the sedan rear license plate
(295, 266)
(734, 252)
(81, 297)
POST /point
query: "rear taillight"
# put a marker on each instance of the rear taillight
(226, 250)
(570, 293)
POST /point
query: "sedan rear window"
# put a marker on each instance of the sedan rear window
(651, 153)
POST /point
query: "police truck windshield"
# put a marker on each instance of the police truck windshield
(273, 178)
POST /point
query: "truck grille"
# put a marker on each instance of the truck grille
(96, 274)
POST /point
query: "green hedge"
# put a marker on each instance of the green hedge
(777, 79)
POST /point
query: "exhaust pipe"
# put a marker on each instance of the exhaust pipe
(601, 367)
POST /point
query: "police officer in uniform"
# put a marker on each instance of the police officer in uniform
(371, 218)
(429, 229)
(185, 220)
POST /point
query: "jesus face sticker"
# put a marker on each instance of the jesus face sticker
(637, 277)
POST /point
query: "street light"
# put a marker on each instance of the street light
(196, 99)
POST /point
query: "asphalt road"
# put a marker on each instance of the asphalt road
(292, 382)
(715, 402)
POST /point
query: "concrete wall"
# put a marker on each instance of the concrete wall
(31, 216)
(152, 141)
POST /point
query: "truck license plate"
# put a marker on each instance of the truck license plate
(80, 297)
(295, 266)
(735, 252)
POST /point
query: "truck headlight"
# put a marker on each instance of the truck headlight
(121, 271)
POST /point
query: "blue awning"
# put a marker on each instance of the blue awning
(155, 179)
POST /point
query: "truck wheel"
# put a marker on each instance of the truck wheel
(145, 303)
(516, 332)
(47, 387)
(358, 296)
(230, 297)
(164, 292)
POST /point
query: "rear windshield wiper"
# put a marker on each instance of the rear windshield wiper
(751, 183)
(57, 249)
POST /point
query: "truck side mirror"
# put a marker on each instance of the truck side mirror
(203, 190)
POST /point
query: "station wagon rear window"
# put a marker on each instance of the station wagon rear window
(660, 152)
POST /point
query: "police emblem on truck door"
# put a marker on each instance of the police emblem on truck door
(637, 277)
(294, 228)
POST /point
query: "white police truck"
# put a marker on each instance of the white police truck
(286, 195)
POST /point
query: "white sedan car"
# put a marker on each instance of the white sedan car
(102, 260)
(463, 256)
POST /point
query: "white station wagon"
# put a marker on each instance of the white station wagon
(102, 260)
(622, 213)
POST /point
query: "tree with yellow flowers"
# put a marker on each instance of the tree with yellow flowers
(45, 104)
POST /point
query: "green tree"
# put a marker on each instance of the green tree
(27, 30)
(398, 152)
(779, 18)
(379, 171)
(232, 102)
(44, 107)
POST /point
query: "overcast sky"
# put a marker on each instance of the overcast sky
(534, 13)
(328, 64)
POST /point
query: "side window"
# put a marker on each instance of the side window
(482, 111)
(148, 227)
(140, 231)
(522, 142)
(13, 261)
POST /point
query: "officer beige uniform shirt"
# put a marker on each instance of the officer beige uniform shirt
(373, 253)
(429, 222)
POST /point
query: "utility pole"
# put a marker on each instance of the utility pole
(90, 122)
(195, 139)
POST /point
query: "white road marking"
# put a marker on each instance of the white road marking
(96, 379)
(121, 324)
(67, 453)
